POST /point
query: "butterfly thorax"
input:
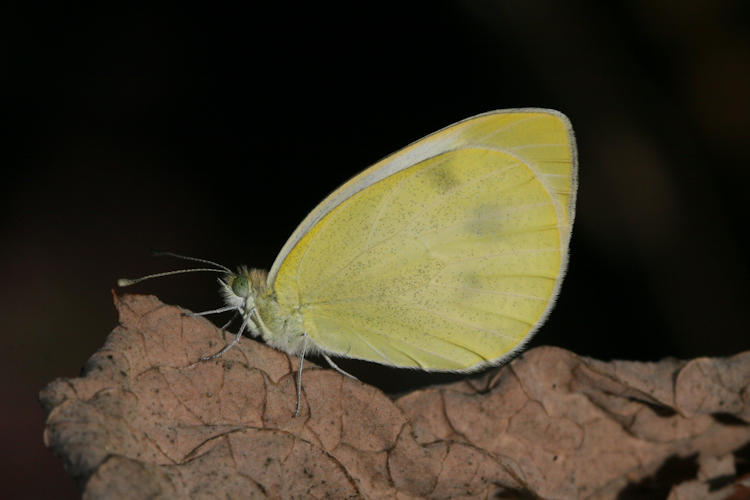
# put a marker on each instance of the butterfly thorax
(248, 290)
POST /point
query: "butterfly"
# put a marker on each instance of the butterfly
(447, 255)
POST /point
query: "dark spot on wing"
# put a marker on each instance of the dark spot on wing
(442, 178)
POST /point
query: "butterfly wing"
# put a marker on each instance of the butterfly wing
(443, 256)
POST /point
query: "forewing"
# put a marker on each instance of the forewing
(543, 138)
(447, 264)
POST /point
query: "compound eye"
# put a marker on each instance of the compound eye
(241, 287)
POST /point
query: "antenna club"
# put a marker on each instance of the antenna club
(124, 282)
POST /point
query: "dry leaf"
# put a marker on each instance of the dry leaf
(147, 419)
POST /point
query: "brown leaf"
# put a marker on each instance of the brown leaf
(148, 419)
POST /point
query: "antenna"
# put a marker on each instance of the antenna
(127, 281)
(156, 253)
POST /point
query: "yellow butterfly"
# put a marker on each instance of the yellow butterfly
(445, 256)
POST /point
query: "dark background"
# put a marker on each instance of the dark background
(214, 130)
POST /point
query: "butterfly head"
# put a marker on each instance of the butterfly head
(241, 290)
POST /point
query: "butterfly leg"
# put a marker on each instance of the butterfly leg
(228, 346)
(236, 313)
(217, 311)
(299, 374)
(335, 367)
(213, 311)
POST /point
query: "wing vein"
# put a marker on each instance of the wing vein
(466, 324)
(387, 199)
(489, 291)
(515, 123)
(501, 254)
(387, 337)
(532, 146)
(332, 280)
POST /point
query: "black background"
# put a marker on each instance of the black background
(214, 130)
